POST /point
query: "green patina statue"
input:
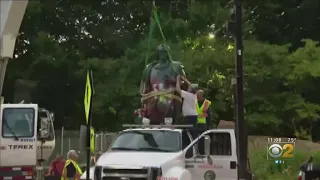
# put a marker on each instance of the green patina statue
(158, 88)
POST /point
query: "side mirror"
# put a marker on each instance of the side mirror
(1, 99)
(44, 128)
(83, 138)
(207, 142)
(52, 116)
(98, 142)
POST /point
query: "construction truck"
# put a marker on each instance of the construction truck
(27, 140)
(168, 152)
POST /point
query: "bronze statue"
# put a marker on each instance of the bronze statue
(157, 88)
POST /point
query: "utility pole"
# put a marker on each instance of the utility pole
(235, 28)
(241, 129)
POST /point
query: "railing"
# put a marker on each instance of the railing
(66, 140)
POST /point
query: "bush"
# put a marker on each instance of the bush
(264, 169)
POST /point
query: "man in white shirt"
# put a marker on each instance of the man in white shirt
(189, 101)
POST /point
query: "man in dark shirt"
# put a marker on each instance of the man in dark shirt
(71, 171)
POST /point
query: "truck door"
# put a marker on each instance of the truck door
(18, 134)
(189, 157)
(221, 165)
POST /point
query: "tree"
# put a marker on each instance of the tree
(283, 22)
(57, 45)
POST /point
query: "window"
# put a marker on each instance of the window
(18, 122)
(51, 128)
(148, 140)
(220, 144)
(44, 115)
(51, 131)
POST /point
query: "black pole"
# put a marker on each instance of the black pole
(241, 124)
(88, 143)
(89, 126)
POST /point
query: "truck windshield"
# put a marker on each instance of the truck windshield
(148, 140)
(18, 122)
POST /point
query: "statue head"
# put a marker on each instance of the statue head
(162, 53)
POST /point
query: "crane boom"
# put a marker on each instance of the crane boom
(12, 13)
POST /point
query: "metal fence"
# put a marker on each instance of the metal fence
(70, 139)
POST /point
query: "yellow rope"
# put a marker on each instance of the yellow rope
(158, 92)
(166, 93)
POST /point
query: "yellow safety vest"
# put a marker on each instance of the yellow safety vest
(78, 170)
(202, 111)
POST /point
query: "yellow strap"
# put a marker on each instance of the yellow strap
(167, 93)
(156, 93)
(67, 162)
(78, 169)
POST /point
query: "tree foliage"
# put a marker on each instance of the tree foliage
(59, 40)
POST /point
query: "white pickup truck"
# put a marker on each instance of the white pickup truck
(168, 153)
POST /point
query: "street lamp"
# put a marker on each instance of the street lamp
(211, 36)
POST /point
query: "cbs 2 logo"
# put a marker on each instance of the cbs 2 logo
(278, 151)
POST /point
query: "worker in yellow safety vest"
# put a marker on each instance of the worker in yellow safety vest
(204, 114)
(71, 170)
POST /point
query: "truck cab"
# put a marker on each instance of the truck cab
(170, 153)
(18, 140)
(20, 135)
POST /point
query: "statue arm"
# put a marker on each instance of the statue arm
(144, 74)
(178, 89)
(142, 87)
(143, 83)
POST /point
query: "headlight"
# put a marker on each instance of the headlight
(155, 172)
